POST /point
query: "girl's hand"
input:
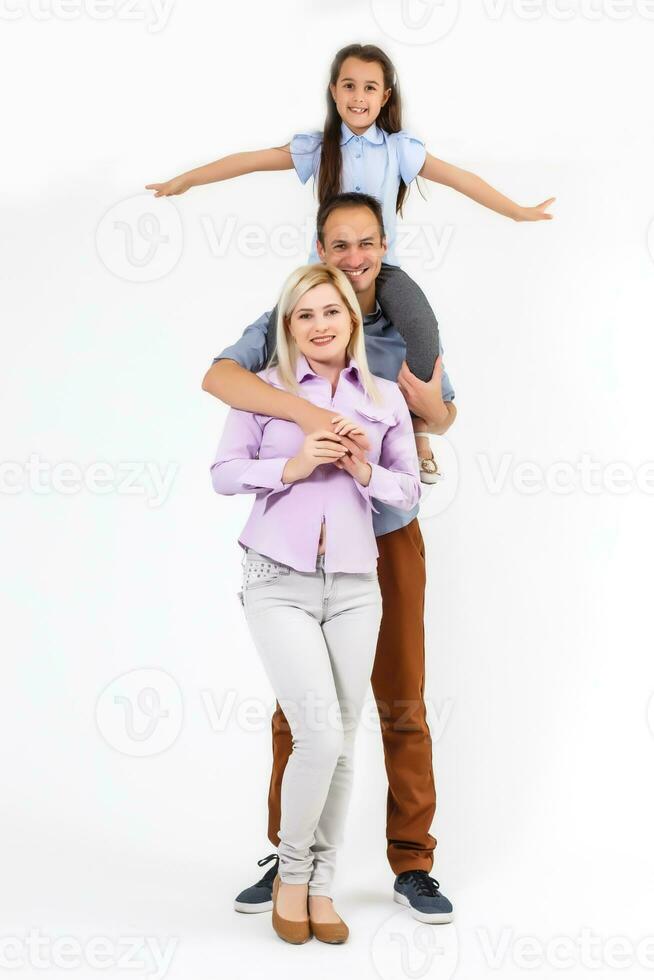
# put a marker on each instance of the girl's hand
(318, 448)
(539, 213)
(178, 185)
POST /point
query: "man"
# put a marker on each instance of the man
(351, 237)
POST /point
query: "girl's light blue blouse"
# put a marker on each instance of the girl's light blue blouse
(372, 163)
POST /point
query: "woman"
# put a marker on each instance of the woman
(310, 590)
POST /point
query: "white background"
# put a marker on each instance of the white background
(538, 618)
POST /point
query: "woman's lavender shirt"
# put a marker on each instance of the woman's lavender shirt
(385, 351)
(285, 520)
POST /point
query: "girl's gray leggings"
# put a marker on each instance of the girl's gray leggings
(408, 309)
(316, 633)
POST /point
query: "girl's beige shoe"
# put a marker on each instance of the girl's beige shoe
(429, 472)
(290, 930)
(329, 932)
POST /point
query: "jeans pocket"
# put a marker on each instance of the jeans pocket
(258, 572)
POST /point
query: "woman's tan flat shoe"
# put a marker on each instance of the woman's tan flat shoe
(329, 932)
(290, 930)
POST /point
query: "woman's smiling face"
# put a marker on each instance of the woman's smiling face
(359, 93)
(320, 324)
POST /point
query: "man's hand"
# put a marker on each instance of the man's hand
(425, 398)
(312, 418)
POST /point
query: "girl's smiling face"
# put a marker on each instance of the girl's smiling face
(359, 93)
(320, 324)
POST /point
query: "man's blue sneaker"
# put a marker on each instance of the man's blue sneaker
(258, 898)
(420, 892)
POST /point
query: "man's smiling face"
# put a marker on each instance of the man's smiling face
(353, 243)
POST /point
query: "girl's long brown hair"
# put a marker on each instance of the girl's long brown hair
(389, 119)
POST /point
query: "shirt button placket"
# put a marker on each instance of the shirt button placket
(357, 155)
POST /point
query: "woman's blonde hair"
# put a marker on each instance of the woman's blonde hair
(285, 355)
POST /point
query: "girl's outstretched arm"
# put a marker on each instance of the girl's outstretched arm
(478, 190)
(235, 165)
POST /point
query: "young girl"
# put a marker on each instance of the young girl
(364, 148)
(310, 590)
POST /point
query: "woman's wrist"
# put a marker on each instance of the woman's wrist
(292, 471)
(364, 474)
(288, 471)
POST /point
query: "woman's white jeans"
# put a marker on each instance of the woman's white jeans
(316, 633)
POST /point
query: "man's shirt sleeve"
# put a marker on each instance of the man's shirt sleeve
(251, 349)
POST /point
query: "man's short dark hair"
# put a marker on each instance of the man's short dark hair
(351, 199)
